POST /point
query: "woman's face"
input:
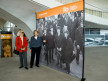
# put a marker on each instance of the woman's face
(36, 33)
(21, 33)
(7, 49)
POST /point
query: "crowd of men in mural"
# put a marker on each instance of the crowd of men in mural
(64, 36)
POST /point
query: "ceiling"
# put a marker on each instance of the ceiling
(101, 5)
(2, 22)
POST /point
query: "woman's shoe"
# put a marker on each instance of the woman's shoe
(26, 68)
(21, 66)
(37, 65)
(31, 66)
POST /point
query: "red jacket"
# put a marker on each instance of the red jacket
(18, 44)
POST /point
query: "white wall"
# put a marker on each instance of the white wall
(95, 19)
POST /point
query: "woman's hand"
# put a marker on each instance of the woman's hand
(44, 41)
(30, 50)
(22, 48)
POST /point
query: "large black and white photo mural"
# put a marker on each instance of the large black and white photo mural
(64, 47)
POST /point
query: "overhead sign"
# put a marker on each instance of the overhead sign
(6, 36)
(71, 7)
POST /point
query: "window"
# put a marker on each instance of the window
(94, 31)
(86, 31)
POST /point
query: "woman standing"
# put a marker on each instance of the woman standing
(21, 46)
(35, 46)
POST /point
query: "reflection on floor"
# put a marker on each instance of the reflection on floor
(9, 71)
(96, 63)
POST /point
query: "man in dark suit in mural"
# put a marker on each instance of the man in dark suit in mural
(49, 23)
(50, 44)
(67, 51)
(40, 29)
(61, 21)
(74, 26)
(79, 40)
(45, 37)
(54, 27)
(69, 22)
(58, 45)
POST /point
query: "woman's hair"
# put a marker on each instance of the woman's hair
(18, 32)
(35, 31)
(21, 31)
